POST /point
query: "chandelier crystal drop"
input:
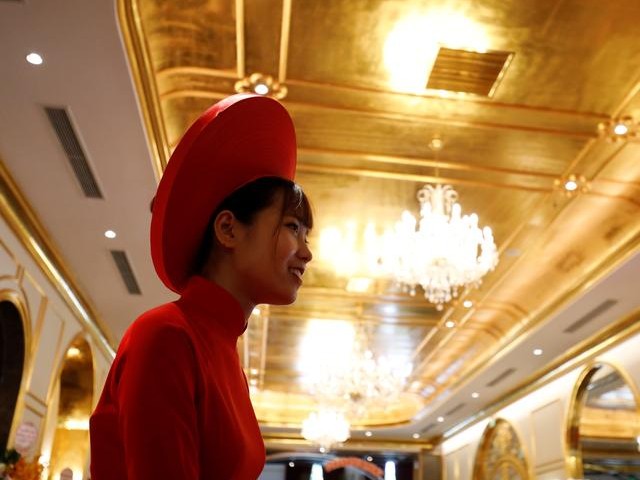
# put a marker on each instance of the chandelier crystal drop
(443, 252)
(326, 428)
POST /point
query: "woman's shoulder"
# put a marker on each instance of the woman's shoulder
(159, 322)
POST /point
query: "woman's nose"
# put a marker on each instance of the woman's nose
(304, 252)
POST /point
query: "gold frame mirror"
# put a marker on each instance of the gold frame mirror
(603, 425)
(500, 454)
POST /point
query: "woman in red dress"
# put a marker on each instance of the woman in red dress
(229, 231)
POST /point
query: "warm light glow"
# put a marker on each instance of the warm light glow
(416, 435)
(475, 395)
(326, 428)
(76, 424)
(291, 464)
(620, 129)
(537, 352)
(412, 46)
(74, 352)
(255, 311)
(337, 367)
(367, 433)
(110, 234)
(467, 304)
(450, 324)
(34, 59)
(570, 185)
(440, 419)
(261, 89)
(369, 458)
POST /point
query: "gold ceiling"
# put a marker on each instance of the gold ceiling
(354, 75)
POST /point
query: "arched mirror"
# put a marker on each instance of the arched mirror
(12, 350)
(500, 455)
(70, 448)
(604, 426)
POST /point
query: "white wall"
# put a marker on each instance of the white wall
(50, 327)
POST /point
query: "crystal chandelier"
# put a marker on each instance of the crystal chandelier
(445, 253)
(326, 428)
(354, 379)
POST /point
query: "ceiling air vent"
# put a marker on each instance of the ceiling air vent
(501, 377)
(61, 123)
(464, 71)
(591, 315)
(455, 409)
(124, 267)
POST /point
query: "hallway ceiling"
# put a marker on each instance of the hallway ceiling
(369, 84)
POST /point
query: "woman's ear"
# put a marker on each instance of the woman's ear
(225, 229)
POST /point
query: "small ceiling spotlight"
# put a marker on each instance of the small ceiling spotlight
(323, 450)
(475, 395)
(34, 59)
(572, 184)
(537, 352)
(367, 433)
(110, 234)
(262, 85)
(291, 464)
(416, 435)
(450, 324)
(467, 304)
(440, 419)
(619, 129)
(369, 458)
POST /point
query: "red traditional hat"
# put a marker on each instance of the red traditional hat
(236, 141)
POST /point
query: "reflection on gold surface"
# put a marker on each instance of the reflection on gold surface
(71, 441)
(411, 46)
(500, 455)
(604, 424)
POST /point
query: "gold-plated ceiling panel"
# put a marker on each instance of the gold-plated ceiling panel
(364, 152)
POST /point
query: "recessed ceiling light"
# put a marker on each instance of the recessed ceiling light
(291, 464)
(537, 352)
(253, 382)
(475, 395)
(450, 324)
(570, 185)
(255, 311)
(110, 234)
(467, 304)
(253, 371)
(34, 59)
(322, 449)
(620, 129)
(416, 435)
(261, 89)
(367, 433)
(369, 458)
(440, 419)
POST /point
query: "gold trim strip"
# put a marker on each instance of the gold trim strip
(240, 50)
(274, 440)
(140, 63)
(284, 40)
(28, 229)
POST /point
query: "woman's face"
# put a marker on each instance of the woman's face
(271, 256)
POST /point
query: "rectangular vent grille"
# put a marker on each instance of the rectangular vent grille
(589, 316)
(61, 123)
(455, 409)
(463, 71)
(501, 377)
(124, 267)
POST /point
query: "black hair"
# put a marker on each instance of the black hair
(250, 199)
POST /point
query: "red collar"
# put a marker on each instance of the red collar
(205, 300)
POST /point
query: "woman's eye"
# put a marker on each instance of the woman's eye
(294, 227)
